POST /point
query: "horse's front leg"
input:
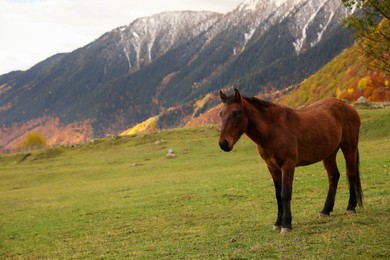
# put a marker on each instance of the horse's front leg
(276, 174)
(287, 168)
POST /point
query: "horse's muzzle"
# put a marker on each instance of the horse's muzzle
(225, 146)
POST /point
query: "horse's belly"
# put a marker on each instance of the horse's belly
(310, 160)
(318, 150)
(307, 162)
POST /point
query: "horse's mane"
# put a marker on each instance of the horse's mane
(258, 103)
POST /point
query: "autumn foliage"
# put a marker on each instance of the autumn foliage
(34, 138)
(148, 125)
(374, 86)
(345, 77)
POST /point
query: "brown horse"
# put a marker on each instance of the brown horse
(287, 138)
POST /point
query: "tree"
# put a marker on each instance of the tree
(33, 139)
(372, 26)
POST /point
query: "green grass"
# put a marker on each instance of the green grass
(375, 124)
(122, 198)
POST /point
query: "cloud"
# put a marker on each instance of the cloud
(32, 30)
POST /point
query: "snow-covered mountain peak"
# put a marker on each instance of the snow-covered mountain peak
(149, 37)
(172, 19)
(252, 5)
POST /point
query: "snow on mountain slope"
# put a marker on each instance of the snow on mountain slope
(150, 37)
(308, 29)
(307, 20)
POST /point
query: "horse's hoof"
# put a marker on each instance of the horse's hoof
(277, 228)
(351, 211)
(324, 215)
(285, 231)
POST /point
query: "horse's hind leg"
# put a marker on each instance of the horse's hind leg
(351, 156)
(333, 178)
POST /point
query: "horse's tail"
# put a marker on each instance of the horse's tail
(358, 185)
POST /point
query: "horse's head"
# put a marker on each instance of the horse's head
(234, 120)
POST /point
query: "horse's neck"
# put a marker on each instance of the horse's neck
(263, 119)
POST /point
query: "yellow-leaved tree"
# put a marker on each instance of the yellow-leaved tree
(34, 138)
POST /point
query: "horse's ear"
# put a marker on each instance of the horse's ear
(237, 95)
(222, 96)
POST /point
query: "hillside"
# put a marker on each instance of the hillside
(345, 77)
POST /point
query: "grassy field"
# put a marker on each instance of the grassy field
(122, 198)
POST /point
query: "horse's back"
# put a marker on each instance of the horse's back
(323, 127)
(343, 114)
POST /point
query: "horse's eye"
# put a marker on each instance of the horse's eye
(236, 114)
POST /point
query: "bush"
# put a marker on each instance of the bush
(33, 139)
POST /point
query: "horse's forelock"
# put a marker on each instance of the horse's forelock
(231, 100)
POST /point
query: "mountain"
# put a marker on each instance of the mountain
(168, 65)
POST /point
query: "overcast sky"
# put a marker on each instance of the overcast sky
(33, 30)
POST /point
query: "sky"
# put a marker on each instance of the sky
(33, 30)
